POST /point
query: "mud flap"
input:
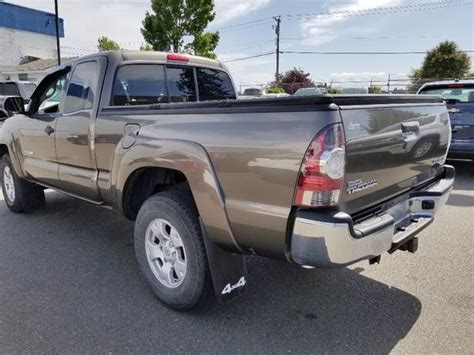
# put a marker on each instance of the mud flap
(228, 271)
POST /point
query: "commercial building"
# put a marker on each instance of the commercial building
(25, 36)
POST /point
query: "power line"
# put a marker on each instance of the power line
(267, 22)
(331, 53)
(249, 57)
(433, 5)
(362, 52)
(245, 46)
(341, 13)
(379, 10)
(243, 24)
(365, 37)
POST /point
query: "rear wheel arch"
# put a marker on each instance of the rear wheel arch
(192, 170)
(146, 182)
(3, 150)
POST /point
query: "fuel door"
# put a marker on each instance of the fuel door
(130, 135)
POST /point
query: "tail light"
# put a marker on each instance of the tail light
(321, 178)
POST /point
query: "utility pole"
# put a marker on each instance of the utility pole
(57, 31)
(388, 84)
(277, 32)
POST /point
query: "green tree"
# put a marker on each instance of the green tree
(106, 44)
(293, 80)
(333, 90)
(276, 91)
(146, 47)
(445, 61)
(375, 90)
(170, 21)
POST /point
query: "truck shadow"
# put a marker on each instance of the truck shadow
(287, 308)
(75, 271)
(463, 192)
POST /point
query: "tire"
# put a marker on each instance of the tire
(19, 195)
(167, 235)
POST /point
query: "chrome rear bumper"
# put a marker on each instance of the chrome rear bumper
(333, 240)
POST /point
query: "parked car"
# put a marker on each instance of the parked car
(209, 179)
(311, 91)
(459, 97)
(419, 137)
(274, 95)
(17, 88)
(355, 91)
(252, 93)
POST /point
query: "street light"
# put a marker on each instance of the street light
(57, 31)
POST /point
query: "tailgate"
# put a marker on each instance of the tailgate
(391, 148)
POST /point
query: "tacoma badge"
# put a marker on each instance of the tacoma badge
(359, 185)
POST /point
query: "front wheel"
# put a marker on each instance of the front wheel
(170, 249)
(423, 148)
(20, 195)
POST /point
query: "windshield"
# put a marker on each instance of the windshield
(458, 92)
(28, 89)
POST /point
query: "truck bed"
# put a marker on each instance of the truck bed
(257, 146)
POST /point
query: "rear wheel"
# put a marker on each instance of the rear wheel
(19, 195)
(170, 249)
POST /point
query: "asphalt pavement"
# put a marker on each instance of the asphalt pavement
(69, 283)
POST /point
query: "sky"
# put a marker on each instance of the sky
(353, 25)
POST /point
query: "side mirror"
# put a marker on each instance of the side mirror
(3, 115)
(13, 105)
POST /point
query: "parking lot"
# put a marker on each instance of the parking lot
(69, 283)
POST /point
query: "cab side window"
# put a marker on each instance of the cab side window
(81, 91)
(214, 85)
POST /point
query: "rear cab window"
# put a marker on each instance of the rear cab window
(452, 93)
(145, 84)
(214, 85)
(181, 84)
(140, 84)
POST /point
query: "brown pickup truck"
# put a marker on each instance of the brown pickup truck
(322, 181)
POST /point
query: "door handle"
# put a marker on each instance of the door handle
(49, 130)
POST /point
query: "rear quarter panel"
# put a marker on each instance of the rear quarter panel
(256, 157)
